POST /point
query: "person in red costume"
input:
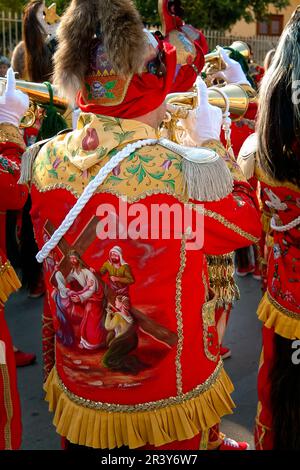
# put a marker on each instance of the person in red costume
(12, 147)
(221, 268)
(177, 392)
(274, 161)
(190, 43)
(247, 259)
(13, 105)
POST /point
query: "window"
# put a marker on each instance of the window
(272, 26)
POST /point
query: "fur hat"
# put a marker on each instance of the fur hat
(120, 27)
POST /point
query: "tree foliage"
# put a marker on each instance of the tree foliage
(18, 5)
(214, 14)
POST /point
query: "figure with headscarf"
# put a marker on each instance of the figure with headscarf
(120, 274)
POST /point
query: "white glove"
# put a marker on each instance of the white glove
(14, 103)
(233, 72)
(204, 122)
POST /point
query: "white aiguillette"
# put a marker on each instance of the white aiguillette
(206, 175)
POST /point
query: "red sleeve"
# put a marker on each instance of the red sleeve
(251, 111)
(233, 222)
(12, 195)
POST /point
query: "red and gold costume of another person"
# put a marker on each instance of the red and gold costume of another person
(279, 309)
(12, 197)
(190, 44)
(190, 50)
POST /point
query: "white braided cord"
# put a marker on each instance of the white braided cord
(226, 126)
(284, 228)
(88, 193)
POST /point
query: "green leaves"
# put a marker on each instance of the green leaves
(114, 180)
(102, 151)
(141, 175)
(110, 85)
(109, 95)
(121, 137)
(53, 173)
(213, 14)
(133, 170)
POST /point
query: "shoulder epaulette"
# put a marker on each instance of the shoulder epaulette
(206, 175)
(29, 156)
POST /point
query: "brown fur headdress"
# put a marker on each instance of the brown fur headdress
(122, 32)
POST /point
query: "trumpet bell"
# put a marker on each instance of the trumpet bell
(243, 48)
(38, 93)
(214, 62)
(239, 97)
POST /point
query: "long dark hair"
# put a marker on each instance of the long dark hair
(278, 125)
(285, 396)
(38, 57)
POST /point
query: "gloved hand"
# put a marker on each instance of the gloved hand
(233, 72)
(204, 122)
(13, 103)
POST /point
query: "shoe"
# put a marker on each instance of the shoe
(37, 291)
(242, 272)
(230, 444)
(24, 359)
(225, 352)
(257, 274)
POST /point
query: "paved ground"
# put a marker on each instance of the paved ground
(243, 337)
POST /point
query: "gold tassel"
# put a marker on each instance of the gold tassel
(221, 272)
(9, 282)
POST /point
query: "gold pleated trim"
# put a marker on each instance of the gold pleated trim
(285, 322)
(9, 282)
(103, 429)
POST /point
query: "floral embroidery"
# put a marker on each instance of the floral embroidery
(70, 162)
(7, 165)
(188, 47)
(239, 200)
(274, 201)
(276, 251)
(98, 90)
(115, 124)
(91, 140)
(142, 168)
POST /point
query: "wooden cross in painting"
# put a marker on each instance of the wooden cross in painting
(80, 245)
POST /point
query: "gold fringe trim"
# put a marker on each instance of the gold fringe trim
(9, 282)
(103, 429)
(11, 133)
(266, 221)
(221, 278)
(9, 411)
(285, 322)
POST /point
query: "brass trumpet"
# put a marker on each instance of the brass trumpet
(39, 95)
(214, 62)
(179, 104)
